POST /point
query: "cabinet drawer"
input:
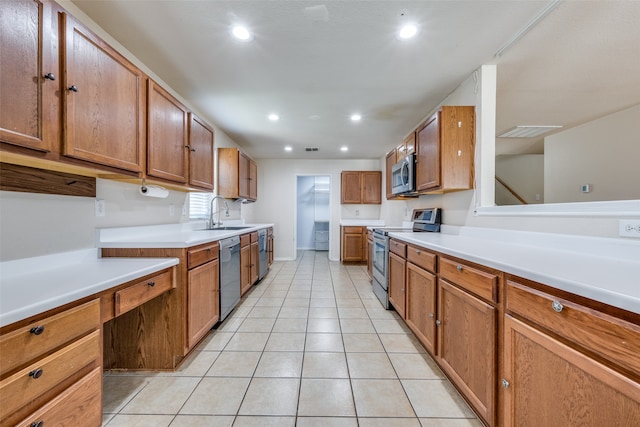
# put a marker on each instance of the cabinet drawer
(421, 258)
(398, 248)
(30, 382)
(245, 240)
(614, 339)
(254, 237)
(143, 291)
(38, 338)
(481, 283)
(80, 404)
(352, 230)
(202, 254)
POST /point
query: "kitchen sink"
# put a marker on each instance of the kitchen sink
(230, 227)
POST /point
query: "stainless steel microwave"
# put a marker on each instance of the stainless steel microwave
(403, 177)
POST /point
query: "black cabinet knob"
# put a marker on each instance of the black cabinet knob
(36, 373)
(152, 284)
(37, 424)
(50, 76)
(73, 88)
(37, 330)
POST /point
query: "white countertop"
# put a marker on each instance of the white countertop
(34, 285)
(362, 222)
(603, 269)
(168, 235)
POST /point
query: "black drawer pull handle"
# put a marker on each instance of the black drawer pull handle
(50, 76)
(36, 373)
(152, 284)
(37, 330)
(73, 88)
(37, 424)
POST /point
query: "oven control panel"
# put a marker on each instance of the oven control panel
(427, 219)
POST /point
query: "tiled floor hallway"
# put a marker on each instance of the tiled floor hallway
(308, 346)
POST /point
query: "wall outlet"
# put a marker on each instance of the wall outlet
(101, 208)
(357, 212)
(629, 228)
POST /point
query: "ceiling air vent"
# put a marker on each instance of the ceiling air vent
(528, 131)
(311, 149)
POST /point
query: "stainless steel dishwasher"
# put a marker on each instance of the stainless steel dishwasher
(229, 275)
(262, 253)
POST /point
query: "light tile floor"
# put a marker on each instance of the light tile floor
(310, 345)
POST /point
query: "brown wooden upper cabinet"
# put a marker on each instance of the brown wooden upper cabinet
(237, 175)
(167, 137)
(103, 97)
(29, 77)
(201, 140)
(445, 147)
(361, 187)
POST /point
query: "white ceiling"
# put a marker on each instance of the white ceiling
(315, 73)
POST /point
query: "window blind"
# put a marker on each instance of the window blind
(199, 205)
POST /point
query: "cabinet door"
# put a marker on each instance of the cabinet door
(103, 95)
(371, 187)
(270, 247)
(467, 346)
(428, 155)
(551, 384)
(203, 300)
(350, 190)
(254, 263)
(253, 180)
(421, 305)
(390, 161)
(243, 175)
(30, 108)
(397, 283)
(200, 154)
(167, 147)
(409, 144)
(352, 244)
(245, 269)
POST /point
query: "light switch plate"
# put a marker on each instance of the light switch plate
(100, 207)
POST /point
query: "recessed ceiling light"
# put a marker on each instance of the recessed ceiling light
(242, 33)
(407, 31)
(274, 117)
(288, 148)
(356, 117)
(344, 148)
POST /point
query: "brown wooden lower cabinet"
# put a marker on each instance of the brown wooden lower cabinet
(203, 304)
(397, 284)
(467, 346)
(58, 374)
(421, 305)
(353, 244)
(521, 353)
(548, 383)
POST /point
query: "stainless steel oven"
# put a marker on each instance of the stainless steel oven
(423, 220)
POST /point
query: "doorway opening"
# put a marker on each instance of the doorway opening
(313, 212)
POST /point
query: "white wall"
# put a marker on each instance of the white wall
(588, 154)
(524, 174)
(277, 199)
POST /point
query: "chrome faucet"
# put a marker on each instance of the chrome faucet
(213, 213)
